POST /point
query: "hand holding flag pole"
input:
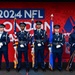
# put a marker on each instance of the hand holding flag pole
(50, 44)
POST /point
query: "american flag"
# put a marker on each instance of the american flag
(15, 44)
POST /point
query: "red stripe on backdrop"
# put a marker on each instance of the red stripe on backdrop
(61, 10)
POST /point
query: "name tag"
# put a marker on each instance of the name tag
(39, 44)
(21, 45)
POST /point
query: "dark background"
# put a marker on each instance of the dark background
(37, 0)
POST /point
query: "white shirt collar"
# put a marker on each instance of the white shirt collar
(1, 32)
(57, 33)
(22, 31)
(38, 29)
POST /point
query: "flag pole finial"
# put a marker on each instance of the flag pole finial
(14, 18)
(52, 16)
(32, 19)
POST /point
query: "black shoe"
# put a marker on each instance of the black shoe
(27, 70)
(60, 69)
(36, 69)
(8, 69)
(43, 69)
(53, 69)
(70, 69)
(18, 69)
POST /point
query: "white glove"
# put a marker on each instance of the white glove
(50, 49)
(73, 44)
(32, 51)
(21, 45)
(58, 46)
(1, 44)
(15, 47)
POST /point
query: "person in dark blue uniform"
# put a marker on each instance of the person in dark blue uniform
(57, 46)
(72, 45)
(40, 38)
(23, 41)
(4, 40)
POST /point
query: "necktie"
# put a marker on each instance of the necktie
(38, 31)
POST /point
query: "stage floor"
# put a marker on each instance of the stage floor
(39, 72)
(32, 72)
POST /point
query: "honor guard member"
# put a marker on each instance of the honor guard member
(72, 43)
(57, 46)
(40, 38)
(4, 40)
(23, 41)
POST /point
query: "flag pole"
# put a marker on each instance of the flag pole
(32, 38)
(32, 35)
(15, 45)
(50, 44)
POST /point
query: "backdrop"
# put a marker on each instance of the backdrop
(64, 14)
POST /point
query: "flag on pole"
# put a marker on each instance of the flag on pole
(50, 42)
(15, 45)
(15, 25)
(32, 36)
(32, 29)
